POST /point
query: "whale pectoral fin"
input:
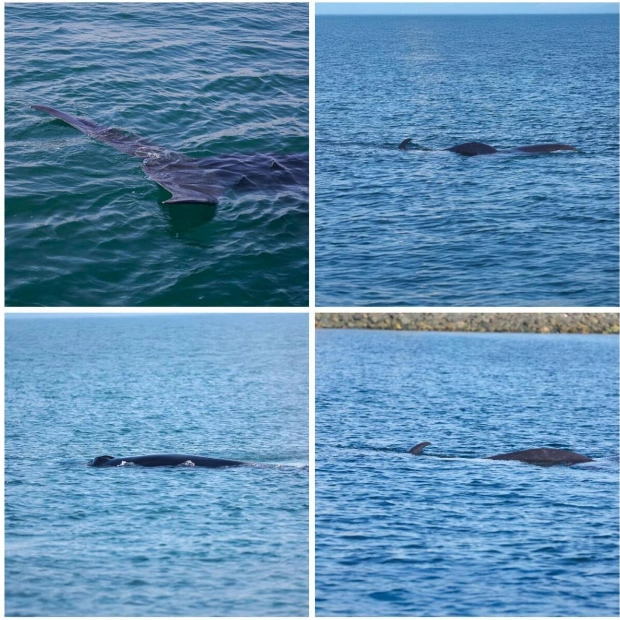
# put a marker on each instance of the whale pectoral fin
(183, 192)
(188, 195)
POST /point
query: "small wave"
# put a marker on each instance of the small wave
(609, 463)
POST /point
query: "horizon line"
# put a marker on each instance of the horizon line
(466, 8)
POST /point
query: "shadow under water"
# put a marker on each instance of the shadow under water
(184, 218)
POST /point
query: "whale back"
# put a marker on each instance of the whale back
(479, 148)
(100, 461)
(164, 460)
(545, 457)
(545, 148)
(472, 148)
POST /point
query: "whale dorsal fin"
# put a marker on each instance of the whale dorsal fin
(419, 448)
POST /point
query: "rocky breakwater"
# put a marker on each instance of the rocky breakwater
(538, 322)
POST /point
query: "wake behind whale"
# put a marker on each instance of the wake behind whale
(197, 180)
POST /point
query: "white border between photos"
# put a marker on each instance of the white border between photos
(311, 310)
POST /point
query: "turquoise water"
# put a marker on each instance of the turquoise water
(428, 227)
(450, 533)
(134, 541)
(84, 226)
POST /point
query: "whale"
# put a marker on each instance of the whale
(163, 460)
(543, 457)
(193, 180)
(470, 149)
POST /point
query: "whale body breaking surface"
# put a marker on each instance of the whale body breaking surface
(544, 457)
(470, 149)
(164, 460)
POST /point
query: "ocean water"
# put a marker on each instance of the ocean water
(84, 226)
(449, 533)
(171, 541)
(429, 227)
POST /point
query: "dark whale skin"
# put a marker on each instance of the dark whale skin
(472, 148)
(544, 148)
(163, 460)
(469, 149)
(544, 457)
(479, 148)
(193, 180)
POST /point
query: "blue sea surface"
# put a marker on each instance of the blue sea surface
(169, 541)
(449, 533)
(84, 225)
(429, 227)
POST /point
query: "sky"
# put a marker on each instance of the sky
(462, 8)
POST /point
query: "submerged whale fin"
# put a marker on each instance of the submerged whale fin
(84, 125)
(116, 138)
(201, 187)
(419, 448)
(187, 195)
